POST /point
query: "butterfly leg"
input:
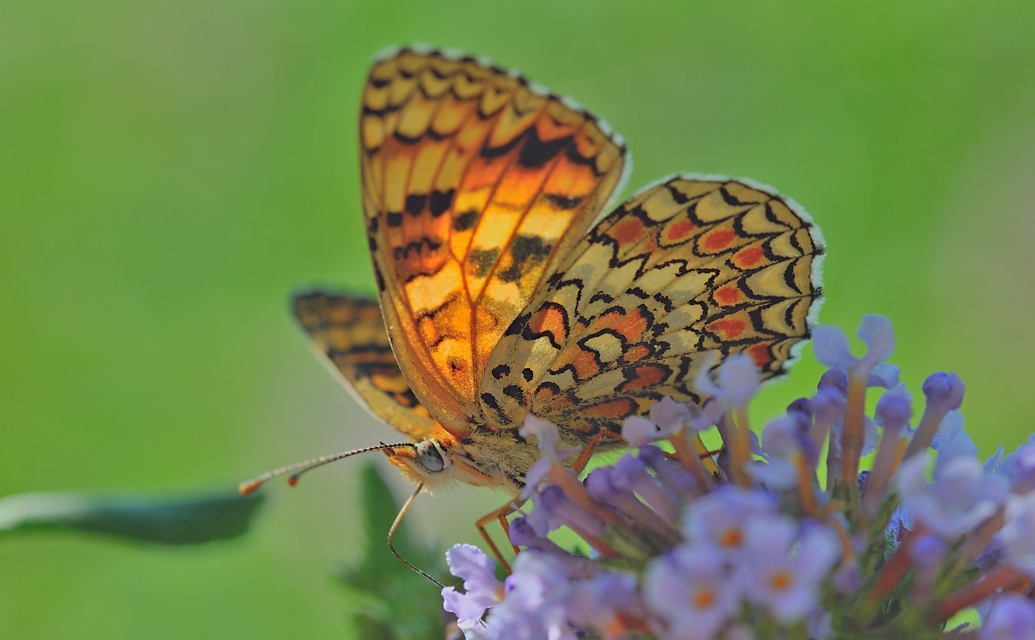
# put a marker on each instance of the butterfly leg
(583, 458)
(499, 515)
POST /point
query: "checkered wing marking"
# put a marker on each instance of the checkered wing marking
(474, 183)
(349, 333)
(683, 269)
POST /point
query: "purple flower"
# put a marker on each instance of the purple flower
(928, 550)
(894, 409)
(481, 588)
(1019, 532)
(875, 330)
(669, 474)
(871, 436)
(545, 433)
(720, 517)
(549, 438)
(1018, 467)
(638, 431)
(831, 346)
(737, 381)
(599, 602)
(691, 592)
(951, 440)
(782, 571)
(523, 535)
(619, 486)
(536, 601)
(783, 443)
(960, 496)
(884, 375)
(944, 391)
(666, 418)
(1010, 617)
(761, 554)
(554, 509)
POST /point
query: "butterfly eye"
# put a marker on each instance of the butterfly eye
(431, 456)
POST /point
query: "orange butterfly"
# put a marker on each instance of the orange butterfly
(500, 296)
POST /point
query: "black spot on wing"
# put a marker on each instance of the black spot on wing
(563, 202)
(535, 152)
(481, 261)
(465, 220)
(526, 253)
(677, 196)
(440, 201)
(415, 203)
(417, 246)
(515, 392)
(503, 149)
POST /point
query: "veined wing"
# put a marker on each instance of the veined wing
(685, 269)
(349, 332)
(474, 183)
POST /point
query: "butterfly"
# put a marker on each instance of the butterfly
(507, 287)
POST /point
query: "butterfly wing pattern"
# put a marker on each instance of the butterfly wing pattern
(685, 270)
(349, 332)
(474, 182)
(500, 301)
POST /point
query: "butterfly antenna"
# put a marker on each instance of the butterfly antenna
(391, 534)
(297, 469)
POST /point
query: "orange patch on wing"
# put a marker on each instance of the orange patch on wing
(727, 295)
(727, 328)
(760, 353)
(613, 409)
(636, 352)
(628, 230)
(584, 362)
(748, 257)
(678, 232)
(718, 239)
(645, 376)
(550, 320)
(631, 326)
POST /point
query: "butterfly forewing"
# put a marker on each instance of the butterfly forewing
(349, 333)
(474, 184)
(685, 269)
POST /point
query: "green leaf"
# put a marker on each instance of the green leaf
(388, 599)
(186, 520)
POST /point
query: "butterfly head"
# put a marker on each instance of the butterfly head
(437, 461)
(426, 461)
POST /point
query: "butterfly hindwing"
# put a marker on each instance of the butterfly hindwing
(475, 182)
(682, 271)
(349, 333)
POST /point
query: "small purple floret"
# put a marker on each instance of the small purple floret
(944, 390)
(1010, 617)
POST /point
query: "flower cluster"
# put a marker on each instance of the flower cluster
(784, 538)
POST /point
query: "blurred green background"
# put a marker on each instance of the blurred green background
(170, 171)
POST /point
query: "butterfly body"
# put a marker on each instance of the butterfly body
(501, 295)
